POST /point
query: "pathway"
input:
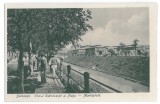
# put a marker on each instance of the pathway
(53, 85)
(118, 83)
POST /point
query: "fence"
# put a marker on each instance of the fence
(70, 81)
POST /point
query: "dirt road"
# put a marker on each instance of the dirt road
(118, 83)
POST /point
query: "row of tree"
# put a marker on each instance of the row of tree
(122, 46)
(45, 30)
(134, 44)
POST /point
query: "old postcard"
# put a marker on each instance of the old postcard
(80, 52)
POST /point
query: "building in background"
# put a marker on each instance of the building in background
(98, 50)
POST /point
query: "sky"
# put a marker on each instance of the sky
(114, 25)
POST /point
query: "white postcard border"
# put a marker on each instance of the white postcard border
(151, 96)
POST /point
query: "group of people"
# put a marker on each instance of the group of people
(41, 64)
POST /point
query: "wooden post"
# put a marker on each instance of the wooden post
(86, 82)
(68, 75)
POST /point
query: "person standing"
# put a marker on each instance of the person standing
(60, 67)
(38, 62)
(38, 58)
(53, 65)
(31, 64)
(34, 62)
(43, 68)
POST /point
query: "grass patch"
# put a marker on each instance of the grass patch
(134, 68)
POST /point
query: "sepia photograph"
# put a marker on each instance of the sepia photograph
(80, 51)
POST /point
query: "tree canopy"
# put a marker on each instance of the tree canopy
(135, 42)
(46, 29)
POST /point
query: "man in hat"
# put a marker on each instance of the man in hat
(53, 65)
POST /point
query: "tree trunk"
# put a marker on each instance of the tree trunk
(135, 51)
(29, 58)
(21, 72)
(20, 65)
